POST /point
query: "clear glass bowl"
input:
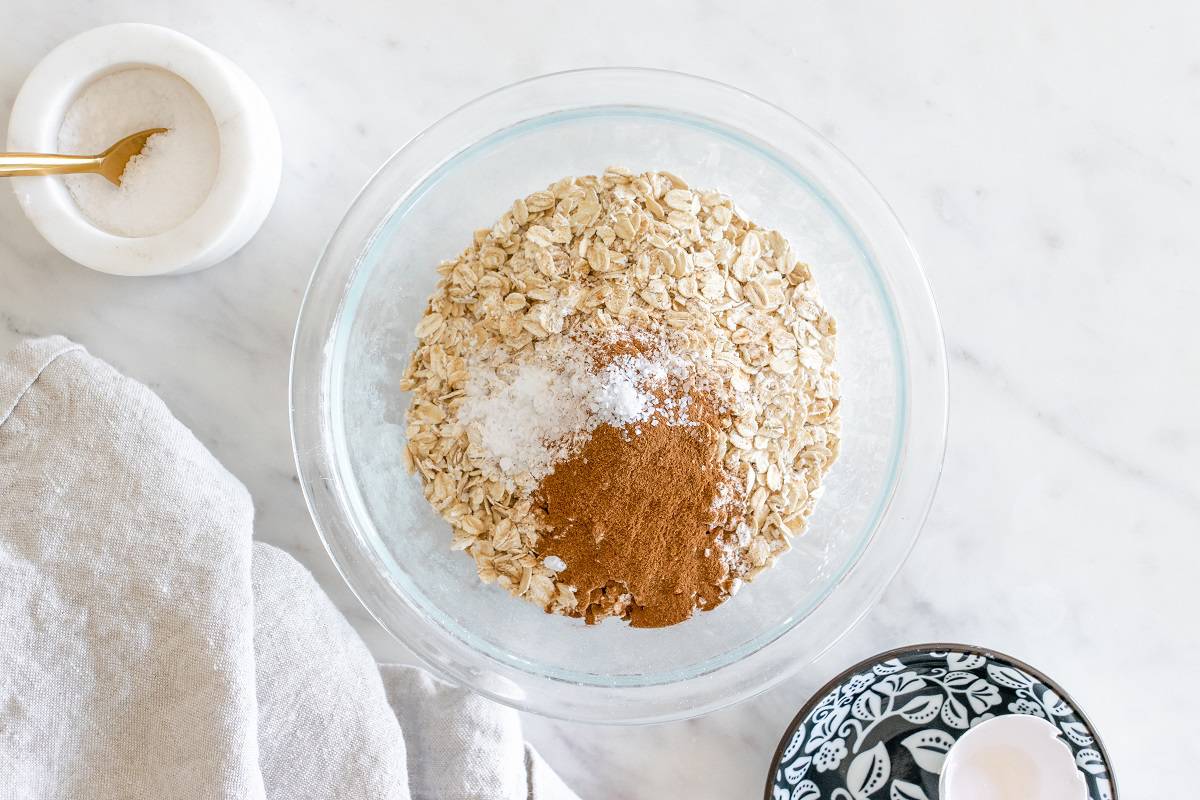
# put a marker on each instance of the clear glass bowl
(355, 334)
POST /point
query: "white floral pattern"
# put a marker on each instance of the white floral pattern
(883, 732)
(830, 755)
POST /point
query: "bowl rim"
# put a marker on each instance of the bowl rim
(313, 344)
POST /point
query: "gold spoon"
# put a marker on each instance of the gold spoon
(111, 163)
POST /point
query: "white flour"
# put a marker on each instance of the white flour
(170, 179)
(531, 416)
(733, 558)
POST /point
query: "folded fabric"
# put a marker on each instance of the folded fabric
(149, 649)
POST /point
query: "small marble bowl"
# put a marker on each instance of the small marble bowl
(243, 189)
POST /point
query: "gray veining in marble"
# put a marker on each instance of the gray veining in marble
(1044, 159)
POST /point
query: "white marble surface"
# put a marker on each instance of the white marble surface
(1043, 157)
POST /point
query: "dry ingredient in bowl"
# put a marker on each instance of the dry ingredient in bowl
(635, 516)
(170, 179)
(546, 408)
(624, 399)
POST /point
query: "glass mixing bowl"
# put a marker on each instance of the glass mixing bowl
(355, 334)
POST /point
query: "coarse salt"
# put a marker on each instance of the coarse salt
(529, 418)
(174, 173)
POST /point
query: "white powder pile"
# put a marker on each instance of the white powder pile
(529, 417)
(733, 556)
(172, 176)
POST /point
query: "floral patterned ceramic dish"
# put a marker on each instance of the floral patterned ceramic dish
(881, 729)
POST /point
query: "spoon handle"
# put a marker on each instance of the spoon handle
(17, 164)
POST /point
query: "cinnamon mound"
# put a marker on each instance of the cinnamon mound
(634, 520)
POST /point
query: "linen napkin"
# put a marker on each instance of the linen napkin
(149, 649)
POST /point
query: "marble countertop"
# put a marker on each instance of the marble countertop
(1043, 158)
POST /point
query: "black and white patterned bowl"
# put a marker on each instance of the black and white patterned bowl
(881, 729)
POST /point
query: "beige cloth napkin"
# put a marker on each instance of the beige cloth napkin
(149, 650)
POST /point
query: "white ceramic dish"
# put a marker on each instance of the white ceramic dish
(243, 190)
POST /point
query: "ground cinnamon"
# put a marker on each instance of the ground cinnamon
(634, 520)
